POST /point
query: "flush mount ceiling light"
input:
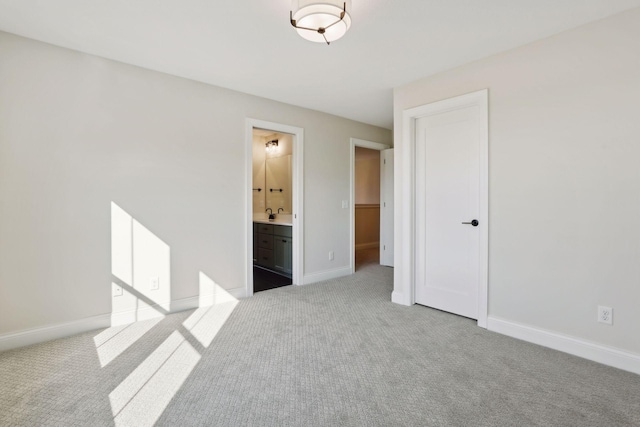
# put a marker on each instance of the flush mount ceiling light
(321, 21)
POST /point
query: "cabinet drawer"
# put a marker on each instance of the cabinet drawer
(265, 257)
(265, 241)
(282, 230)
(265, 228)
(282, 254)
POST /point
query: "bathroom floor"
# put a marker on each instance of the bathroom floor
(264, 280)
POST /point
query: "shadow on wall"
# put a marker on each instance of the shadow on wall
(141, 298)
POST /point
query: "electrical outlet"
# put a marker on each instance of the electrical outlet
(345, 204)
(330, 255)
(116, 290)
(605, 315)
(154, 283)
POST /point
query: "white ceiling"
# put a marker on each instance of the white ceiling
(249, 45)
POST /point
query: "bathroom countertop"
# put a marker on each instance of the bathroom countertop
(276, 221)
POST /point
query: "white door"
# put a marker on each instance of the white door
(448, 195)
(386, 207)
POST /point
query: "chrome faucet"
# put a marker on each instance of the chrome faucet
(271, 215)
(280, 209)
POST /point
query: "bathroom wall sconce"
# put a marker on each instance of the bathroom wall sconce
(320, 21)
(271, 146)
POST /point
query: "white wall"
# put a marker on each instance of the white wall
(78, 132)
(564, 180)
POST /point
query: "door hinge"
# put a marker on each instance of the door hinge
(385, 161)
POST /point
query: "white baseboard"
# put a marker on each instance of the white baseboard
(139, 314)
(399, 298)
(238, 293)
(596, 352)
(51, 332)
(66, 329)
(184, 304)
(326, 275)
(369, 245)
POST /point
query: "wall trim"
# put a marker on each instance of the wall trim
(51, 332)
(238, 292)
(66, 329)
(184, 304)
(368, 245)
(606, 355)
(327, 275)
(400, 298)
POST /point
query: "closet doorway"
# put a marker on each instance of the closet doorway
(372, 204)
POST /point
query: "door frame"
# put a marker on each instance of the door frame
(297, 193)
(406, 168)
(355, 142)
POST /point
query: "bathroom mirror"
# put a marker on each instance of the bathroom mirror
(272, 173)
(278, 184)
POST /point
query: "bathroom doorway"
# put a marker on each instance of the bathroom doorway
(274, 200)
(272, 213)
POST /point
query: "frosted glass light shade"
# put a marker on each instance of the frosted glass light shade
(313, 15)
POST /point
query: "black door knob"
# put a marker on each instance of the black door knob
(473, 222)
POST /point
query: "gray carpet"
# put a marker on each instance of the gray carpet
(337, 353)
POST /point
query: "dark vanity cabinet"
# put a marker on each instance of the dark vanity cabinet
(282, 249)
(265, 246)
(255, 243)
(273, 247)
